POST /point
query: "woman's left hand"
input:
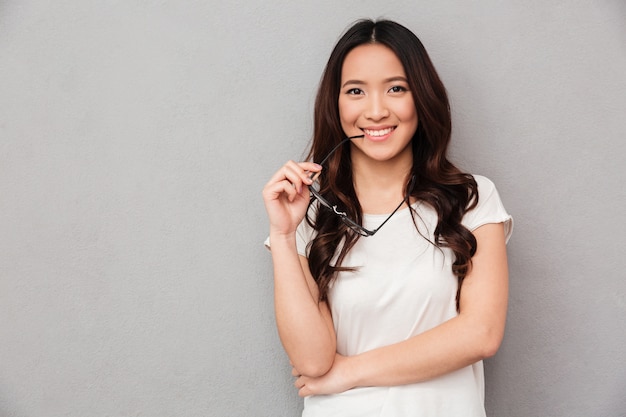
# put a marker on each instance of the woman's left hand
(333, 382)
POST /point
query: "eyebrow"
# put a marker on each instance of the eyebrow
(385, 81)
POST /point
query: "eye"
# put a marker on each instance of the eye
(398, 89)
(354, 91)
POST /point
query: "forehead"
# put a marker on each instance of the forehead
(371, 62)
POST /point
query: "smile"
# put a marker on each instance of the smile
(378, 133)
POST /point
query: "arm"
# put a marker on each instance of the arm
(304, 325)
(475, 334)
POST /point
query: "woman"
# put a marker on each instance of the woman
(390, 264)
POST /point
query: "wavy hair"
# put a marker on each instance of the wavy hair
(437, 181)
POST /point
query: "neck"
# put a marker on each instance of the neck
(381, 174)
(380, 185)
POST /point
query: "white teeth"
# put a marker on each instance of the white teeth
(378, 132)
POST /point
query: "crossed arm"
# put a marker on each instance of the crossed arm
(306, 329)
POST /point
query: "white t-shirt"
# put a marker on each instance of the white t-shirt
(403, 286)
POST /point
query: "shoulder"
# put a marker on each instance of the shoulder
(485, 185)
(489, 208)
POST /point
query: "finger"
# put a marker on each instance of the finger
(290, 172)
(275, 190)
(310, 167)
(296, 173)
(303, 388)
(305, 171)
(304, 391)
(294, 372)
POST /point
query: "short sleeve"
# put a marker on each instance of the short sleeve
(304, 234)
(489, 208)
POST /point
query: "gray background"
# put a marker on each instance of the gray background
(135, 139)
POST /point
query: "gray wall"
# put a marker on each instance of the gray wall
(135, 138)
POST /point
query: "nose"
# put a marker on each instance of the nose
(376, 108)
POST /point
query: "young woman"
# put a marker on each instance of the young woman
(390, 264)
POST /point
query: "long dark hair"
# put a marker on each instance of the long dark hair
(437, 181)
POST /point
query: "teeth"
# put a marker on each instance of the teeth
(378, 132)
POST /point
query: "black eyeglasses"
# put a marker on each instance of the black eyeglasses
(352, 225)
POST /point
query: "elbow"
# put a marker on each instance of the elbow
(490, 348)
(486, 339)
(490, 343)
(315, 368)
(315, 371)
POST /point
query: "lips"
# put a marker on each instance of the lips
(378, 134)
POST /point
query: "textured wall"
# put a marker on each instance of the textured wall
(135, 138)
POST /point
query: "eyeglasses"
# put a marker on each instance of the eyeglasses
(352, 225)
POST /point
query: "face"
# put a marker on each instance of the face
(375, 101)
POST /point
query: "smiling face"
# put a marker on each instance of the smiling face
(375, 101)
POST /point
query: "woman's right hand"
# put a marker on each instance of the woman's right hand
(286, 196)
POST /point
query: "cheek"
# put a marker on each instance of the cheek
(348, 112)
(407, 112)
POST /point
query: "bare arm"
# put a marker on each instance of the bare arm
(304, 325)
(475, 334)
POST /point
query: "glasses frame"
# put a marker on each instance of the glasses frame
(352, 225)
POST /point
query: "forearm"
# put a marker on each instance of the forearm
(450, 346)
(304, 325)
